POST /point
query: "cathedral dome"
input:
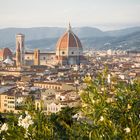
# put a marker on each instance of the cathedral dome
(68, 40)
(4, 53)
(69, 49)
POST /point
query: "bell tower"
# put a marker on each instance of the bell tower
(20, 50)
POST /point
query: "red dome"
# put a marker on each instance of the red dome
(4, 53)
(69, 49)
(69, 39)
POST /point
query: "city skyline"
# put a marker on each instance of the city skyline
(106, 15)
(80, 81)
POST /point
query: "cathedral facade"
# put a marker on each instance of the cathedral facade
(69, 51)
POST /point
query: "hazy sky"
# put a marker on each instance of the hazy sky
(104, 14)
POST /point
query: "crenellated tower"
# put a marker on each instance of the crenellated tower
(20, 50)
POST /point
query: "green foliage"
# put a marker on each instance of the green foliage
(62, 123)
(113, 109)
(110, 111)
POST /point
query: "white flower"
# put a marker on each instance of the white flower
(26, 112)
(28, 117)
(4, 127)
(127, 130)
(20, 118)
(25, 122)
(101, 118)
(75, 116)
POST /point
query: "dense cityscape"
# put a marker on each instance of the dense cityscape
(56, 78)
(79, 82)
(52, 81)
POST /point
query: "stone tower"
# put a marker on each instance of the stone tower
(20, 50)
(36, 57)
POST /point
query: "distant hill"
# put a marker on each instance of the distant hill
(123, 32)
(45, 38)
(85, 32)
(127, 42)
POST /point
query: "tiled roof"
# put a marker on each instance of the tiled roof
(69, 39)
(5, 52)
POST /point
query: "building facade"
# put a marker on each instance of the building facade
(43, 58)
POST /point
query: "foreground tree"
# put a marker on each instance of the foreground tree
(112, 108)
(110, 111)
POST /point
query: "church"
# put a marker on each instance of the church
(69, 51)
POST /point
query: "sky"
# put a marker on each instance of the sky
(103, 14)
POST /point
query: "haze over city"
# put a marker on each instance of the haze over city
(103, 14)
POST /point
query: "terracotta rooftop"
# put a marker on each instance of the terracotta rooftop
(68, 39)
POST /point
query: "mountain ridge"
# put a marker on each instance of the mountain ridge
(46, 37)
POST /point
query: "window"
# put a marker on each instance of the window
(11, 102)
(63, 52)
(44, 58)
(72, 52)
(10, 97)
